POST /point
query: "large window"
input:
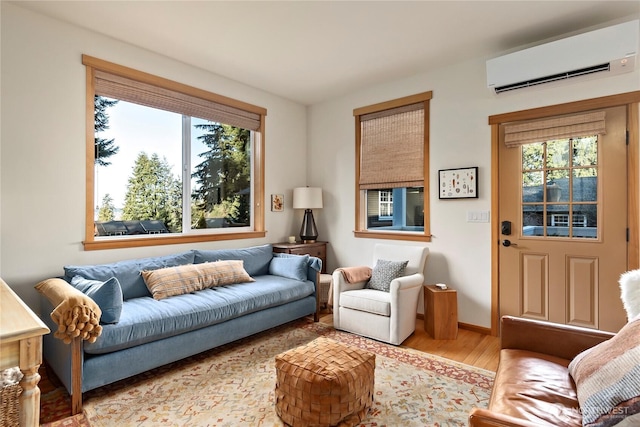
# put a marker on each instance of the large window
(169, 163)
(392, 147)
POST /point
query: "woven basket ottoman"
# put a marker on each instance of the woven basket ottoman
(324, 383)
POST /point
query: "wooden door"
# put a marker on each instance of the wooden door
(565, 202)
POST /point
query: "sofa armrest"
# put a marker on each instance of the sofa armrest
(564, 341)
(486, 418)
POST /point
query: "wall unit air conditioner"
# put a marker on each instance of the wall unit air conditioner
(603, 52)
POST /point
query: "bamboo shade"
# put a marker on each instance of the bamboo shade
(575, 126)
(392, 148)
(123, 88)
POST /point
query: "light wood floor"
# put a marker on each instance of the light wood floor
(472, 348)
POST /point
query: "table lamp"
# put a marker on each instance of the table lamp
(308, 198)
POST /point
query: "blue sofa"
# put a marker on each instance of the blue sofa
(152, 333)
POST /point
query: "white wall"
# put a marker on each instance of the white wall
(42, 164)
(42, 169)
(460, 253)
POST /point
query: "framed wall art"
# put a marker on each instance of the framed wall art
(277, 202)
(461, 183)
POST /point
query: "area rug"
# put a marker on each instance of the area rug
(234, 385)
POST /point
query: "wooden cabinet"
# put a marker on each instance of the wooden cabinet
(316, 249)
(441, 313)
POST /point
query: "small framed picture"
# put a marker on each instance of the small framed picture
(459, 183)
(277, 202)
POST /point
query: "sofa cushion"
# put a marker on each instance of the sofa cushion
(256, 259)
(607, 378)
(294, 267)
(146, 319)
(369, 300)
(384, 272)
(183, 279)
(107, 294)
(535, 387)
(128, 272)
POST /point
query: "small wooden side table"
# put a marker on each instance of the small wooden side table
(441, 313)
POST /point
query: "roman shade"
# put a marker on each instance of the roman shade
(517, 134)
(392, 147)
(126, 89)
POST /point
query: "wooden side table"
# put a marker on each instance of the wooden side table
(441, 313)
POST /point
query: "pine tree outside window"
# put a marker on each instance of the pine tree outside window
(168, 163)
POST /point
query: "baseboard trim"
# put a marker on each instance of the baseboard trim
(474, 328)
(466, 326)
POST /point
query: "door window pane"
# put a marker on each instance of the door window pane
(558, 153)
(561, 198)
(585, 151)
(533, 220)
(585, 185)
(532, 187)
(558, 220)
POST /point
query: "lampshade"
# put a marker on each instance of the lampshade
(307, 198)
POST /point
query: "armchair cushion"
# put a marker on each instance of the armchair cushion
(369, 300)
(384, 272)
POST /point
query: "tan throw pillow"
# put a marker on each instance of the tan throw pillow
(607, 379)
(184, 279)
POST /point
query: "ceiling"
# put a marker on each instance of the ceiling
(311, 51)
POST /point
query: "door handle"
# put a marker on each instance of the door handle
(506, 243)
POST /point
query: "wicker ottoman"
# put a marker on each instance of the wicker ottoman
(324, 383)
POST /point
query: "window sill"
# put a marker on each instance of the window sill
(135, 242)
(393, 235)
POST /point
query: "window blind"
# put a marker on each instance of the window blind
(592, 123)
(392, 148)
(126, 89)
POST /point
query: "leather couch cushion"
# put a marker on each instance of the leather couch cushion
(536, 387)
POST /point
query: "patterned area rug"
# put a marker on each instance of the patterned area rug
(234, 385)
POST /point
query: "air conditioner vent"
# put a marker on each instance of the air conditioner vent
(600, 53)
(560, 76)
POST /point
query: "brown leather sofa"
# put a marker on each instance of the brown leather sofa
(532, 385)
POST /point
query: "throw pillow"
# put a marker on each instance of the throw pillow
(294, 267)
(384, 272)
(630, 292)
(107, 294)
(184, 279)
(607, 379)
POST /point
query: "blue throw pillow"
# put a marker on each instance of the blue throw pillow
(384, 272)
(293, 267)
(108, 296)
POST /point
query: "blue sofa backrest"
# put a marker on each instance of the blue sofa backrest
(256, 262)
(256, 259)
(128, 272)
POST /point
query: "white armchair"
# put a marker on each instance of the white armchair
(384, 316)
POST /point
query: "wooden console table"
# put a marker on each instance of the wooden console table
(21, 334)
